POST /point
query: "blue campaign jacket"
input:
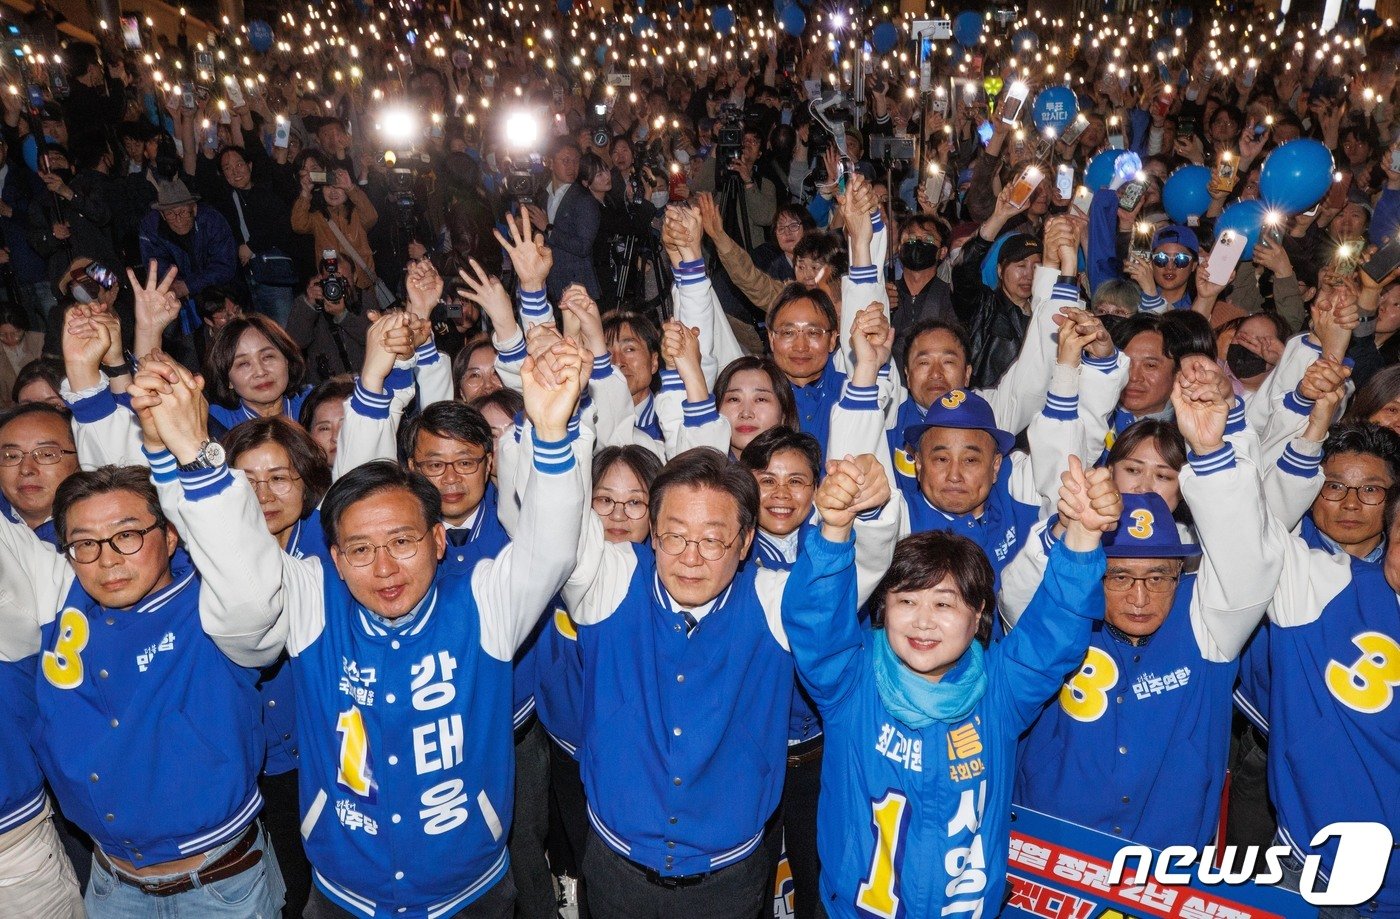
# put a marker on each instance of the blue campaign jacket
(1334, 724)
(149, 736)
(685, 738)
(1137, 742)
(406, 748)
(941, 795)
(815, 401)
(559, 679)
(21, 783)
(1002, 529)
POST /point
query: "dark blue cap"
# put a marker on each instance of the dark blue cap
(959, 408)
(1147, 530)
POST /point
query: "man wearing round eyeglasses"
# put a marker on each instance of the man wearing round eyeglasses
(164, 783)
(688, 684)
(1165, 278)
(402, 665)
(37, 454)
(1137, 743)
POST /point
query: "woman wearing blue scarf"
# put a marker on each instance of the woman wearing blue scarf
(921, 720)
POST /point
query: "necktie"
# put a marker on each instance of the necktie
(460, 537)
(691, 623)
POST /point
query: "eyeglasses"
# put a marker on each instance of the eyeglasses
(634, 508)
(44, 456)
(277, 484)
(1155, 583)
(712, 550)
(1366, 494)
(1180, 259)
(434, 468)
(814, 334)
(127, 542)
(402, 548)
(788, 227)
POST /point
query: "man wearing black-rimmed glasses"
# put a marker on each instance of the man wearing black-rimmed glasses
(36, 455)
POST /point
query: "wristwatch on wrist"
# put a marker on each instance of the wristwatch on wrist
(210, 454)
(115, 370)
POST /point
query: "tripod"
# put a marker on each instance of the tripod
(629, 250)
(734, 207)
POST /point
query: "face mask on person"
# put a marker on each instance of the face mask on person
(1244, 363)
(918, 254)
(660, 198)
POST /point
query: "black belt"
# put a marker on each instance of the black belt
(233, 862)
(523, 730)
(806, 752)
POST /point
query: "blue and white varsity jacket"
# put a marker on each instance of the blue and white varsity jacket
(933, 800)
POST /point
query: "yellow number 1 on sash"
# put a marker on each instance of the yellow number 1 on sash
(353, 772)
(877, 896)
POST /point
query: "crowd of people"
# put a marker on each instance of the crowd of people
(619, 488)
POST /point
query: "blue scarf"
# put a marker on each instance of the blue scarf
(917, 702)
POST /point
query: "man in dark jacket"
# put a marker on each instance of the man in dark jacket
(331, 336)
(996, 318)
(196, 240)
(571, 216)
(64, 222)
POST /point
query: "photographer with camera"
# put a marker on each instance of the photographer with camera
(337, 215)
(738, 186)
(328, 331)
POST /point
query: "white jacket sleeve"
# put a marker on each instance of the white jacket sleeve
(513, 589)
(1242, 552)
(433, 374)
(1056, 433)
(685, 424)
(368, 432)
(510, 357)
(698, 307)
(1298, 355)
(1021, 577)
(104, 431)
(34, 579)
(1293, 481)
(859, 288)
(1020, 393)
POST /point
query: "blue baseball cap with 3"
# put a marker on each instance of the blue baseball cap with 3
(959, 408)
(1147, 530)
(1176, 233)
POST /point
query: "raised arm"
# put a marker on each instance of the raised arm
(369, 430)
(513, 589)
(684, 407)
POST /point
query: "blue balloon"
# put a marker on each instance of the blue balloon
(1296, 175)
(1244, 217)
(722, 19)
(1023, 38)
(260, 35)
(1100, 171)
(967, 27)
(793, 20)
(641, 24)
(1186, 193)
(600, 54)
(1054, 109)
(989, 262)
(885, 37)
(1181, 16)
(564, 6)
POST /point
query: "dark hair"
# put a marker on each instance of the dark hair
(923, 327)
(463, 357)
(928, 221)
(645, 465)
(824, 247)
(1280, 326)
(226, 149)
(308, 460)
(225, 345)
(211, 299)
(795, 291)
(562, 143)
(1382, 389)
(643, 327)
(782, 388)
(89, 483)
(1165, 435)
(1367, 439)
(48, 369)
(507, 400)
(706, 467)
(589, 165)
(923, 560)
(13, 314)
(370, 479)
(336, 389)
(798, 213)
(453, 420)
(24, 409)
(1186, 332)
(761, 450)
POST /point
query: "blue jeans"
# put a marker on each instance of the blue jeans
(255, 894)
(1293, 874)
(273, 302)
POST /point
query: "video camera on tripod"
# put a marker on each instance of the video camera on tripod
(729, 134)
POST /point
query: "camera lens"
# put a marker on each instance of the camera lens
(333, 288)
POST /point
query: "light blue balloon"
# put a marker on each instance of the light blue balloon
(989, 261)
(722, 19)
(600, 54)
(564, 6)
(1023, 38)
(967, 27)
(260, 35)
(793, 20)
(885, 36)
(1244, 217)
(1100, 171)
(1186, 193)
(1055, 107)
(1296, 175)
(641, 24)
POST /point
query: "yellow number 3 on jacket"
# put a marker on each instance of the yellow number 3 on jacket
(1084, 697)
(1142, 524)
(1369, 684)
(63, 666)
